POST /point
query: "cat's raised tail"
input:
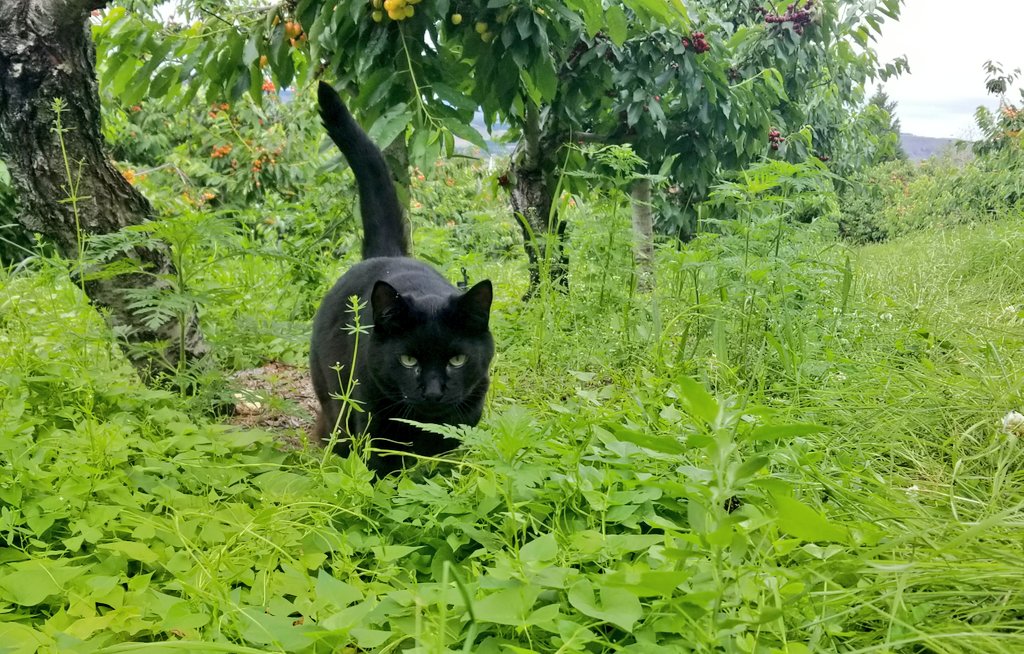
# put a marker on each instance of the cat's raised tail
(383, 227)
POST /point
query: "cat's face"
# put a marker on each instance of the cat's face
(432, 356)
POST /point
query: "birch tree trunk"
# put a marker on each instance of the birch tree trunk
(46, 52)
(643, 234)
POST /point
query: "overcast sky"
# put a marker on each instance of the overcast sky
(946, 43)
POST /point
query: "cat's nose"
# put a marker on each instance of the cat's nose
(433, 392)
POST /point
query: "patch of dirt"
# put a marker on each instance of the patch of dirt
(275, 397)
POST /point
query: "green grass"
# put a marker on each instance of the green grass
(792, 453)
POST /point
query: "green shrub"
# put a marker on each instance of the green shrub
(869, 196)
(898, 198)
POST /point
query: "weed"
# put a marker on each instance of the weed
(807, 454)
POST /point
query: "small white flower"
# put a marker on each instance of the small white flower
(885, 317)
(1013, 423)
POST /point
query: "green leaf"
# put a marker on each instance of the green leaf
(593, 15)
(545, 77)
(21, 639)
(698, 401)
(390, 125)
(387, 553)
(665, 444)
(616, 605)
(524, 23)
(162, 82)
(370, 638)
(648, 583)
(28, 583)
(466, 132)
(801, 521)
(338, 593)
(139, 85)
(133, 550)
(617, 25)
(544, 548)
(279, 484)
(511, 606)
(374, 89)
(262, 628)
(281, 57)
(250, 53)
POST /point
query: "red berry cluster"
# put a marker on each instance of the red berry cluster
(800, 18)
(696, 43)
(774, 138)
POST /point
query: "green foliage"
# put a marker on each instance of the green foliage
(789, 447)
(549, 70)
(874, 200)
(454, 208)
(885, 126)
(13, 244)
(1001, 131)
(623, 506)
(217, 154)
(896, 198)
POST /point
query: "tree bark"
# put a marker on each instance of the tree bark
(643, 234)
(46, 52)
(532, 200)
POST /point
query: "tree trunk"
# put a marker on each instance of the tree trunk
(46, 52)
(643, 234)
(532, 200)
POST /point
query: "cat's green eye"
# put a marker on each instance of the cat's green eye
(457, 361)
(407, 361)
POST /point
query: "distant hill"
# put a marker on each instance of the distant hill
(919, 148)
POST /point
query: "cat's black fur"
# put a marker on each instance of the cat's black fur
(414, 312)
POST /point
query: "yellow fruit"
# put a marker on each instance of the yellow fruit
(292, 29)
(263, 61)
(396, 15)
(487, 37)
(389, 5)
(377, 16)
(377, 4)
(456, 19)
(480, 27)
(409, 11)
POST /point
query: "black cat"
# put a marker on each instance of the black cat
(428, 348)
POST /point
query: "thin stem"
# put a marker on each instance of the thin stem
(71, 188)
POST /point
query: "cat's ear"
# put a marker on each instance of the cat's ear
(473, 308)
(390, 310)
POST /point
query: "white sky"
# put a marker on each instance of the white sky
(946, 43)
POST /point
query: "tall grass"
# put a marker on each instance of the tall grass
(803, 454)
